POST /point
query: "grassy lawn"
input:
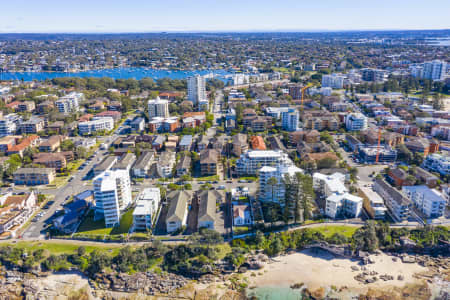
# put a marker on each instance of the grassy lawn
(57, 247)
(74, 165)
(59, 181)
(252, 178)
(125, 223)
(207, 178)
(240, 230)
(91, 227)
(329, 230)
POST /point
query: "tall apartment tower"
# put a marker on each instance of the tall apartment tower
(434, 70)
(196, 89)
(158, 108)
(112, 194)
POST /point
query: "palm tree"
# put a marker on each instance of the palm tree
(272, 182)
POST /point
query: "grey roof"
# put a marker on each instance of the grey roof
(398, 196)
(184, 162)
(159, 140)
(126, 160)
(209, 156)
(34, 171)
(178, 205)
(105, 164)
(207, 205)
(186, 140)
(144, 160)
(137, 121)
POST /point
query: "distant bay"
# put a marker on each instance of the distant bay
(117, 73)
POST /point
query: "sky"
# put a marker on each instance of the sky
(87, 16)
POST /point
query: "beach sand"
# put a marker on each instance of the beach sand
(318, 269)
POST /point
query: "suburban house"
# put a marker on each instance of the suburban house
(178, 210)
(73, 213)
(241, 215)
(15, 210)
(207, 208)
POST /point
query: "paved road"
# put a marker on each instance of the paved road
(74, 187)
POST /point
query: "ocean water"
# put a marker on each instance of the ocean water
(274, 293)
(122, 73)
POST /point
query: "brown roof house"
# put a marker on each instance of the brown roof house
(207, 208)
(178, 210)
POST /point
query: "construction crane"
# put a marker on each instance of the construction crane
(378, 147)
(303, 94)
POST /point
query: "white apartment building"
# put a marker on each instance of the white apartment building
(437, 163)
(335, 81)
(69, 103)
(356, 122)
(434, 70)
(158, 108)
(239, 79)
(275, 193)
(290, 119)
(345, 205)
(196, 89)
(166, 162)
(146, 208)
(251, 162)
(112, 194)
(429, 201)
(9, 124)
(327, 185)
(95, 125)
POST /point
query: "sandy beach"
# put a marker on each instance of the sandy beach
(320, 269)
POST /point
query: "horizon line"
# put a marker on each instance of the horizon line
(225, 31)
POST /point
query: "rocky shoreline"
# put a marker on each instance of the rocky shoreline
(226, 284)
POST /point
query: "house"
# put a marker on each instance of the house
(183, 166)
(317, 157)
(27, 142)
(34, 176)
(138, 124)
(115, 115)
(208, 162)
(178, 210)
(55, 127)
(15, 210)
(73, 213)
(185, 143)
(399, 177)
(7, 142)
(207, 208)
(52, 144)
(426, 177)
(158, 142)
(257, 142)
(143, 164)
(242, 215)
